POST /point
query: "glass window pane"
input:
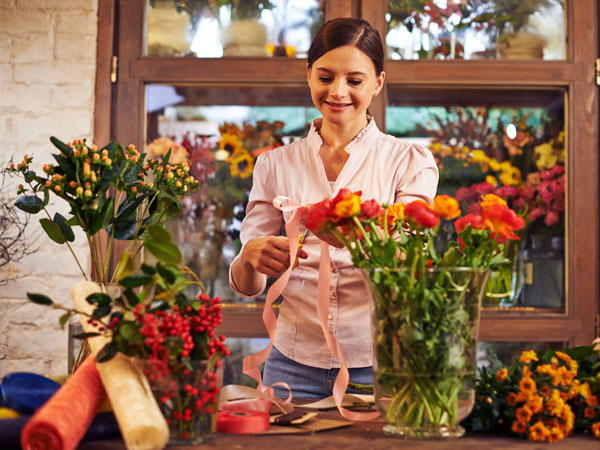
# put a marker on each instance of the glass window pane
(212, 29)
(476, 29)
(220, 136)
(511, 143)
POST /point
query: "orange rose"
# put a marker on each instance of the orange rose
(446, 207)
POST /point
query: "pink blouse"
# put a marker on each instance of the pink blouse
(385, 168)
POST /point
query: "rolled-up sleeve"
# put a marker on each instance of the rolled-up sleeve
(421, 179)
(262, 218)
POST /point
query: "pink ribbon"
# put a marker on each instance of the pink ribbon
(252, 362)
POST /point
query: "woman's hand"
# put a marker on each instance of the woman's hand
(269, 255)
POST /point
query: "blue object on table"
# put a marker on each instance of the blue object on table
(103, 426)
(25, 392)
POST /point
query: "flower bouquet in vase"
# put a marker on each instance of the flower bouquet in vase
(425, 306)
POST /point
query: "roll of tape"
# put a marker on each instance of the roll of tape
(242, 421)
(249, 404)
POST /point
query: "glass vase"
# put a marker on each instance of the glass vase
(187, 394)
(425, 333)
(505, 285)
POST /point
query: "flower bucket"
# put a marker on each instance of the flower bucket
(187, 395)
(425, 332)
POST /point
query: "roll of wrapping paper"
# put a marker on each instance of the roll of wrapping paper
(142, 425)
(63, 420)
(242, 421)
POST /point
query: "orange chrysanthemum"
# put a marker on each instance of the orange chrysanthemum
(589, 413)
(524, 413)
(511, 400)
(527, 356)
(538, 431)
(555, 434)
(501, 375)
(519, 427)
(596, 429)
(446, 207)
(536, 403)
(527, 385)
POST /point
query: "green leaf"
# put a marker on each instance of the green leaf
(160, 233)
(128, 207)
(61, 146)
(159, 305)
(66, 165)
(112, 148)
(130, 332)
(131, 174)
(53, 231)
(107, 353)
(166, 157)
(99, 298)
(166, 252)
(166, 273)
(123, 231)
(150, 270)
(29, 203)
(135, 280)
(64, 318)
(65, 228)
(125, 266)
(100, 219)
(40, 299)
(101, 311)
(132, 299)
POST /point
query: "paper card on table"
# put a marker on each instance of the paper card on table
(325, 424)
(349, 400)
(283, 429)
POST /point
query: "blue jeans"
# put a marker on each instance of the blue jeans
(306, 381)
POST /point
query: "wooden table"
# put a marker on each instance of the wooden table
(366, 436)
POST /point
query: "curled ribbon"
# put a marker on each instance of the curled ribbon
(251, 363)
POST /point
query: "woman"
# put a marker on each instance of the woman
(343, 149)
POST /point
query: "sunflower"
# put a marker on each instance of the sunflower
(241, 164)
(230, 143)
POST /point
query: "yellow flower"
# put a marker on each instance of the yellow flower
(348, 207)
(510, 176)
(446, 207)
(230, 143)
(479, 156)
(528, 355)
(494, 165)
(545, 157)
(584, 390)
(501, 375)
(488, 200)
(538, 431)
(395, 213)
(241, 164)
(492, 180)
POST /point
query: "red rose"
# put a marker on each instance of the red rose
(371, 209)
(317, 215)
(422, 214)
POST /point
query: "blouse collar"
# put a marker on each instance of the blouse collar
(315, 141)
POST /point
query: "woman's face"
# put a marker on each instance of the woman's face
(342, 84)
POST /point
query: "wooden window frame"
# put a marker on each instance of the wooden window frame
(120, 107)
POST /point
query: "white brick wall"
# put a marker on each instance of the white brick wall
(47, 72)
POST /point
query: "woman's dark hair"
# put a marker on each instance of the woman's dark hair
(348, 31)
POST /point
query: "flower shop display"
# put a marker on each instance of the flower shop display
(425, 304)
(526, 170)
(543, 396)
(208, 228)
(171, 338)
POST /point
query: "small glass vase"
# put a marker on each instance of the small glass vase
(505, 285)
(425, 334)
(187, 395)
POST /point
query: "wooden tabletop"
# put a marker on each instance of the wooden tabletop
(365, 436)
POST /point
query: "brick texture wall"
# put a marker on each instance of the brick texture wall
(47, 76)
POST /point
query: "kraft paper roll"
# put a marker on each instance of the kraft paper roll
(242, 421)
(142, 425)
(63, 420)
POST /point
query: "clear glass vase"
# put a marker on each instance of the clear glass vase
(187, 395)
(425, 334)
(505, 285)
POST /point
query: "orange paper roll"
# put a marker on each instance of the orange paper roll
(242, 421)
(61, 423)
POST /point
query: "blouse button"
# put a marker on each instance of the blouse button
(330, 316)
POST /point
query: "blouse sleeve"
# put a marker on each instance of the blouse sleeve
(421, 178)
(262, 218)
